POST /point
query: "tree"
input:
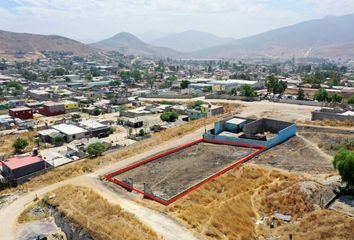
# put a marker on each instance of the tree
(124, 75)
(300, 94)
(321, 95)
(115, 83)
(75, 116)
(336, 98)
(141, 133)
(275, 85)
(19, 145)
(344, 163)
(247, 91)
(351, 100)
(58, 140)
(96, 111)
(184, 84)
(233, 92)
(169, 116)
(96, 149)
(37, 140)
(151, 81)
(197, 103)
(207, 89)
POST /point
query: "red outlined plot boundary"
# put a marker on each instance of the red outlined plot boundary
(110, 176)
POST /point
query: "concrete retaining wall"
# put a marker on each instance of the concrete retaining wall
(228, 97)
(171, 96)
(316, 115)
(301, 102)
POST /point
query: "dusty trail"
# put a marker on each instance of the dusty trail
(316, 148)
(162, 224)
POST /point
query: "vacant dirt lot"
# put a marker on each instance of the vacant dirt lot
(296, 155)
(170, 175)
(330, 142)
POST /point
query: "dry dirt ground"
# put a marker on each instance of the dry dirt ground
(173, 174)
(240, 205)
(6, 142)
(100, 218)
(295, 155)
(311, 151)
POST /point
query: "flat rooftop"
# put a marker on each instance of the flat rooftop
(236, 121)
(48, 132)
(69, 129)
(92, 124)
(18, 162)
(21, 109)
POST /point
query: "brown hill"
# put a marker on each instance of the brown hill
(129, 44)
(11, 43)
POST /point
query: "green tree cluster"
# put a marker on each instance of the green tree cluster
(19, 145)
(323, 96)
(96, 149)
(58, 140)
(351, 100)
(247, 91)
(274, 85)
(169, 116)
(184, 84)
(300, 94)
(197, 103)
(344, 163)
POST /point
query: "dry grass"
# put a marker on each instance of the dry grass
(320, 224)
(283, 197)
(228, 206)
(329, 123)
(27, 216)
(95, 214)
(89, 165)
(7, 141)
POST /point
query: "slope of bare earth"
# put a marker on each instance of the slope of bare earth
(100, 218)
(296, 155)
(225, 207)
(320, 224)
(11, 42)
(240, 205)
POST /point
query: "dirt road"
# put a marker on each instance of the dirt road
(162, 224)
(281, 111)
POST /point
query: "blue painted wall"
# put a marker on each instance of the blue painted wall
(283, 135)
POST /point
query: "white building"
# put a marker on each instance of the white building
(71, 132)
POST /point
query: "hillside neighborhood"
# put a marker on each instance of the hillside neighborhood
(183, 136)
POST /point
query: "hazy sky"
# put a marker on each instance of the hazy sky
(90, 20)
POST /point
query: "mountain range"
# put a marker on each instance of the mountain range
(11, 42)
(326, 37)
(329, 37)
(191, 40)
(129, 44)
